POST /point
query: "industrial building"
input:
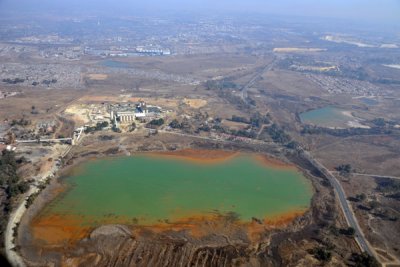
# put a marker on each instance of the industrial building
(127, 113)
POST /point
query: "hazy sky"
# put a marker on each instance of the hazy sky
(374, 10)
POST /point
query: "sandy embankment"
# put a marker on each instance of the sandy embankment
(354, 123)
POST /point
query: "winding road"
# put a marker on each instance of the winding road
(345, 206)
(15, 217)
(251, 82)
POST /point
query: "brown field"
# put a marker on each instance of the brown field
(195, 103)
(97, 76)
(382, 157)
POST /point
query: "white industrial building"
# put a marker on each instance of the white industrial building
(127, 113)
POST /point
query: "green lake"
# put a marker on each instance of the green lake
(326, 117)
(150, 189)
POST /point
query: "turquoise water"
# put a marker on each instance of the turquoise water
(326, 117)
(153, 189)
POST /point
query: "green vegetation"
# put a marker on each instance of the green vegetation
(257, 120)
(10, 182)
(8, 174)
(34, 110)
(234, 99)
(20, 122)
(30, 199)
(13, 81)
(156, 122)
(99, 126)
(394, 196)
(310, 129)
(388, 185)
(175, 124)
(244, 133)
(349, 231)
(363, 260)
(278, 135)
(239, 119)
(321, 254)
(220, 85)
(344, 169)
(105, 137)
(48, 82)
(358, 198)
(204, 128)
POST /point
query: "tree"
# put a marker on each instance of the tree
(33, 110)
(175, 124)
(349, 231)
(278, 135)
(364, 260)
(156, 122)
(344, 169)
(322, 254)
(361, 197)
(8, 175)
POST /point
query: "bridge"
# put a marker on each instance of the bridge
(72, 140)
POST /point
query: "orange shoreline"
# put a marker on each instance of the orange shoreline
(196, 156)
(217, 156)
(57, 230)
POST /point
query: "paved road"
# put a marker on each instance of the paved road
(243, 90)
(376, 175)
(15, 217)
(346, 208)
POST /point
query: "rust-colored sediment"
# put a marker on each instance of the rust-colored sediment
(274, 163)
(57, 229)
(197, 156)
(60, 230)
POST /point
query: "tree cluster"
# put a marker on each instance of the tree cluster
(322, 254)
(20, 122)
(278, 135)
(9, 178)
(344, 169)
(364, 260)
(155, 123)
(220, 85)
(13, 81)
(99, 126)
(48, 82)
(309, 129)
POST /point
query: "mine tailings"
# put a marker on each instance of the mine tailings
(171, 190)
